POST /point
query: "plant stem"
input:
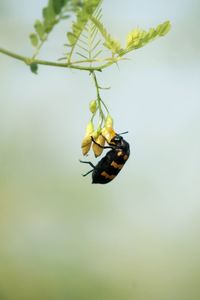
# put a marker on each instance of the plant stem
(99, 100)
(72, 65)
(29, 61)
(38, 49)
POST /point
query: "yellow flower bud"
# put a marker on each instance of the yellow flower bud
(97, 149)
(86, 144)
(89, 128)
(87, 141)
(95, 134)
(109, 121)
(93, 106)
(108, 133)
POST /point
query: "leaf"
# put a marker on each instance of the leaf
(52, 14)
(134, 38)
(82, 55)
(83, 16)
(58, 5)
(96, 45)
(49, 13)
(34, 39)
(34, 68)
(164, 28)
(110, 42)
(138, 38)
(72, 38)
(97, 54)
(65, 17)
(39, 28)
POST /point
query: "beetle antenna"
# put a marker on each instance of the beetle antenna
(125, 132)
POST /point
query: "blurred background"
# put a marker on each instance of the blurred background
(138, 237)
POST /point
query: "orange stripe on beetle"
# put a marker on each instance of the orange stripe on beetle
(125, 157)
(107, 176)
(116, 166)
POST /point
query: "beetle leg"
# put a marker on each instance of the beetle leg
(87, 162)
(104, 147)
(87, 173)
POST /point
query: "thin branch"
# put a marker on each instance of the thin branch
(72, 65)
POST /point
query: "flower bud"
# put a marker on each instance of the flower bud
(87, 141)
(89, 128)
(86, 144)
(95, 134)
(108, 133)
(96, 148)
(109, 121)
(93, 106)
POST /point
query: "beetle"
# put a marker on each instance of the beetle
(112, 163)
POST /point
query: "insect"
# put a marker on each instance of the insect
(112, 163)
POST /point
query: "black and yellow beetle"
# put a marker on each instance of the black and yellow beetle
(112, 163)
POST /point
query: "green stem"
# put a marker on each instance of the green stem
(38, 49)
(13, 55)
(102, 117)
(29, 61)
(105, 106)
(99, 100)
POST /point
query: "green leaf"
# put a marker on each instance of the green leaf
(52, 13)
(49, 13)
(34, 68)
(65, 17)
(84, 14)
(164, 28)
(110, 42)
(34, 39)
(138, 38)
(72, 38)
(58, 5)
(39, 28)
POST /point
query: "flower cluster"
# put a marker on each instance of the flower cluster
(97, 138)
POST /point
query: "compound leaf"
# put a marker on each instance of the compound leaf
(83, 16)
(138, 38)
(52, 13)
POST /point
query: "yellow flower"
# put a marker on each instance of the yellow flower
(109, 121)
(108, 133)
(97, 149)
(87, 140)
